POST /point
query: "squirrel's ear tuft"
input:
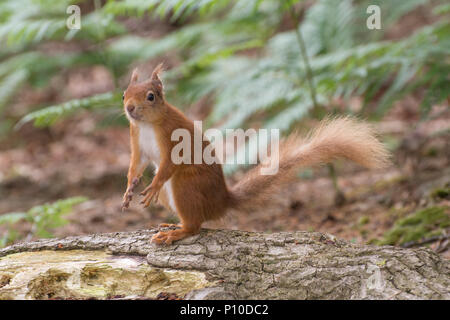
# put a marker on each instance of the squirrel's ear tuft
(155, 78)
(134, 76)
(159, 68)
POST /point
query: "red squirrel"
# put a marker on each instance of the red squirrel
(198, 192)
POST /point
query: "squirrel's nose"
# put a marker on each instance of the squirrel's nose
(130, 108)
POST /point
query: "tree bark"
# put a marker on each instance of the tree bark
(220, 264)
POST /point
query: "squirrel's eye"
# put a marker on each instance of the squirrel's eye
(123, 97)
(151, 97)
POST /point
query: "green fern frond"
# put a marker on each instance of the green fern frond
(10, 85)
(31, 22)
(47, 116)
(21, 32)
(176, 8)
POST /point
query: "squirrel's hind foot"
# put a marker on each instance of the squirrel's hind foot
(167, 237)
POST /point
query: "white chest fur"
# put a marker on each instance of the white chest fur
(148, 144)
(150, 152)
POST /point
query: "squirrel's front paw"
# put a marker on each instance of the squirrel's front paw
(149, 194)
(128, 196)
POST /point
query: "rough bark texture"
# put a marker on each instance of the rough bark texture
(219, 264)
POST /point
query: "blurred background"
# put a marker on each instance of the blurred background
(64, 141)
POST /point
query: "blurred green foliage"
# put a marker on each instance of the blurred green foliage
(243, 54)
(43, 219)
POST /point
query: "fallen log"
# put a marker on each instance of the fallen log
(219, 264)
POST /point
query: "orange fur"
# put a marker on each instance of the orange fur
(199, 191)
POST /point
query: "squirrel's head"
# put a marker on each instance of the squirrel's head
(144, 101)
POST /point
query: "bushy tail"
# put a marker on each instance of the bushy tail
(335, 138)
